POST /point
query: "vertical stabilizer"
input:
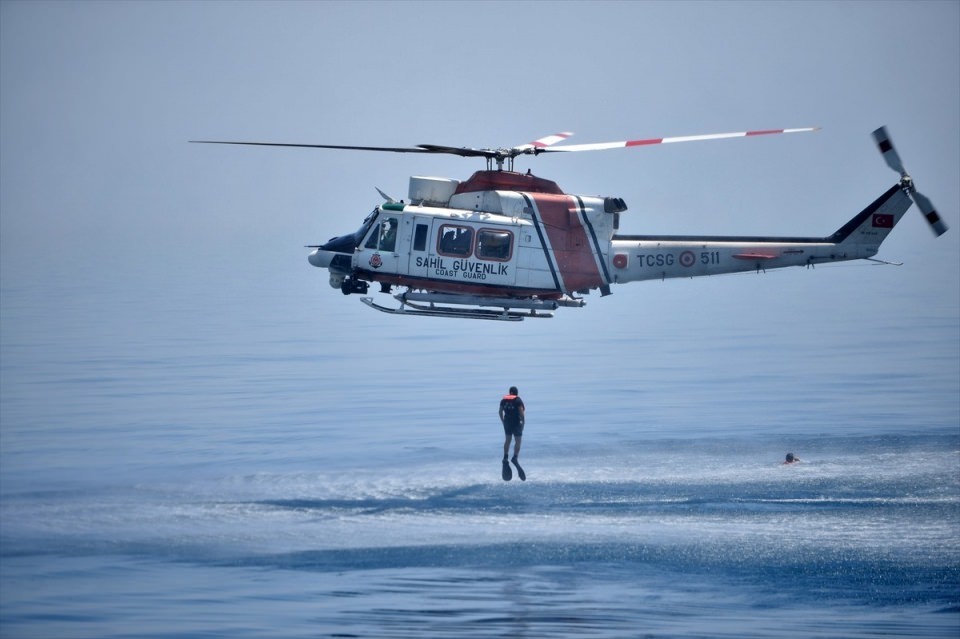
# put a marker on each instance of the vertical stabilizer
(870, 227)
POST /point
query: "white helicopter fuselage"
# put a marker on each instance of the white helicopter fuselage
(502, 237)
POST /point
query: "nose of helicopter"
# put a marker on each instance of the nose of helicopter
(321, 258)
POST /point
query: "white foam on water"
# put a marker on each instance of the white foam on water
(881, 504)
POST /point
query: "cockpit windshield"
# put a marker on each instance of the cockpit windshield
(365, 227)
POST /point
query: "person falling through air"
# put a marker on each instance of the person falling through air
(512, 418)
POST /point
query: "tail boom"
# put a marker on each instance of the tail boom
(644, 257)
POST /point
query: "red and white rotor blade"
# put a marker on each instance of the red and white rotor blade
(545, 141)
(603, 146)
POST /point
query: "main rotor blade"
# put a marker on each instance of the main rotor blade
(420, 148)
(541, 145)
(461, 151)
(544, 142)
(937, 225)
(602, 146)
(889, 151)
(392, 149)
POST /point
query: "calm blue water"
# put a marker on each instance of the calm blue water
(240, 451)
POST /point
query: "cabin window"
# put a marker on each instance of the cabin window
(384, 236)
(420, 237)
(455, 241)
(494, 244)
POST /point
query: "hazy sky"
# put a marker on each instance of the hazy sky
(98, 100)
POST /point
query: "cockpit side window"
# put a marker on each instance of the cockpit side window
(384, 235)
(420, 237)
(455, 241)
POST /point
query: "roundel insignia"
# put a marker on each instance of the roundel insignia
(376, 261)
(687, 259)
(620, 260)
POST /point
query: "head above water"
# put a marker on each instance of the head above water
(514, 391)
(791, 458)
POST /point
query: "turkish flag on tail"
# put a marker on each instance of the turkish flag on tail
(882, 221)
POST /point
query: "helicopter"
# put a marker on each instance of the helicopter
(504, 245)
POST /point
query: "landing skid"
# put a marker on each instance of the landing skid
(409, 308)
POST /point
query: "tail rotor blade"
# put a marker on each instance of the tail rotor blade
(937, 225)
(888, 150)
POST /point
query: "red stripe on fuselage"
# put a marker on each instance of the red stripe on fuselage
(572, 250)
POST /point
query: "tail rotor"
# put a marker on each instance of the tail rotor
(893, 160)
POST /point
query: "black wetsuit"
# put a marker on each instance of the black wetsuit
(511, 407)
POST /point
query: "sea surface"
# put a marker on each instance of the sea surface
(240, 451)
